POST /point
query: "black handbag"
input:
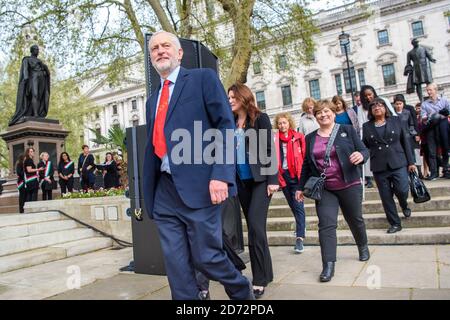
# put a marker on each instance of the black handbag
(418, 189)
(314, 186)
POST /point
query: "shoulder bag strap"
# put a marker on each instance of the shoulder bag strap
(330, 146)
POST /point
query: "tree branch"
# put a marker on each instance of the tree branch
(134, 23)
(161, 15)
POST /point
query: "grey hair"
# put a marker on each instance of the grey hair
(43, 154)
(433, 85)
(174, 38)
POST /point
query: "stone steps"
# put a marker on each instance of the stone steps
(9, 199)
(427, 219)
(369, 207)
(21, 219)
(9, 209)
(17, 245)
(410, 236)
(12, 232)
(57, 252)
(370, 194)
(30, 239)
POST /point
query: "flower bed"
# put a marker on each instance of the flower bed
(94, 193)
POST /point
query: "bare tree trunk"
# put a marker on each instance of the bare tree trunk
(184, 11)
(134, 23)
(162, 16)
(240, 14)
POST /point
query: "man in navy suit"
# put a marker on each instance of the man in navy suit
(185, 198)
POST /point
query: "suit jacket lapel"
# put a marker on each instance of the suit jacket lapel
(181, 81)
(152, 105)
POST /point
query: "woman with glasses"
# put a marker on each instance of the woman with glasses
(390, 159)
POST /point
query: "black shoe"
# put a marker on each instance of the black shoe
(204, 295)
(327, 272)
(364, 253)
(407, 212)
(394, 229)
(258, 293)
(431, 178)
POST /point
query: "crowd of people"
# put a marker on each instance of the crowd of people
(374, 140)
(32, 177)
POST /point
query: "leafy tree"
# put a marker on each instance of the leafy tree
(96, 32)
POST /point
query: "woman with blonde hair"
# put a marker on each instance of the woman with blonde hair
(308, 122)
(291, 149)
(46, 176)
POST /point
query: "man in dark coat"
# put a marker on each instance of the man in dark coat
(34, 88)
(421, 73)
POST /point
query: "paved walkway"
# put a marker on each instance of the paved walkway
(393, 272)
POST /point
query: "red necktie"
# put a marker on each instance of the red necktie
(159, 140)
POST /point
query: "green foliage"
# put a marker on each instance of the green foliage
(114, 140)
(92, 33)
(113, 192)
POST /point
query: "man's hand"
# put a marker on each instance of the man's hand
(218, 191)
(299, 196)
(412, 168)
(417, 139)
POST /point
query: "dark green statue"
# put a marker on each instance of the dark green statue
(34, 88)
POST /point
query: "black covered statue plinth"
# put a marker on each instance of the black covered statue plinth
(42, 134)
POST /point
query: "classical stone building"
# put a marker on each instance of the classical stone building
(380, 37)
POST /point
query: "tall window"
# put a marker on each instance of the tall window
(417, 29)
(347, 81)
(287, 95)
(282, 62)
(133, 104)
(97, 116)
(114, 109)
(314, 89)
(383, 37)
(389, 74)
(362, 77)
(257, 67)
(135, 123)
(338, 80)
(261, 100)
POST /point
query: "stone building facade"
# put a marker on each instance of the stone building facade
(379, 42)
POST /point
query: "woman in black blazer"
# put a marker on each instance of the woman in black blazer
(391, 157)
(342, 184)
(257, 179)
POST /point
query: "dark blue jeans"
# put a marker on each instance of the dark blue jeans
(297, 208)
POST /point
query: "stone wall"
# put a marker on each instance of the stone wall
(107, 214)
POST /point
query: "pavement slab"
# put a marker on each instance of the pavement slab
(392, 273)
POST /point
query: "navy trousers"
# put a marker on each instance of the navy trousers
(191, 239)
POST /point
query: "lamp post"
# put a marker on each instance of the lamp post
(344, 41)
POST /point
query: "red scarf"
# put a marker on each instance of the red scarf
(290, 152)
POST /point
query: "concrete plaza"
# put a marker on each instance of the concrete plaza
(393, 272)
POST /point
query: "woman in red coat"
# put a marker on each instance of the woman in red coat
(290, 146)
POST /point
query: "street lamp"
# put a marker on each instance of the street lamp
(344, 41)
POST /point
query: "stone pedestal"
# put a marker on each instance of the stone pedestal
(41, 134)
